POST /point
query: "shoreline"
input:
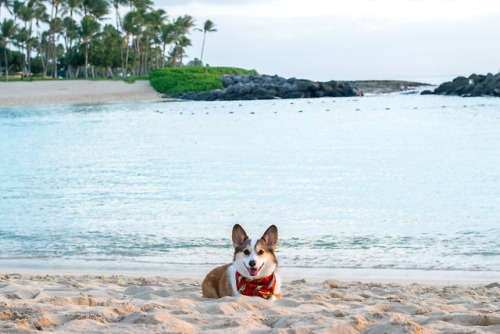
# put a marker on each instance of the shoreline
(30, 93)
(400, 276)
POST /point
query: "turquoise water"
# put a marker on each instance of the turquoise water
(381, 182)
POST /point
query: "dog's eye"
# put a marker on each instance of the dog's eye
(246, 252)
(261, 252)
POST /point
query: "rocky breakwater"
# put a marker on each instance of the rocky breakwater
(266, 87)
(475, 85)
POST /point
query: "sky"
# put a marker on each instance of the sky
(348, 39)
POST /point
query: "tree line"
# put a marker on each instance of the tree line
(68, 38)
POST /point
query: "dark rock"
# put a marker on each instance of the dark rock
(314, 86)
(306, 85)
(474, 85)
(227, 81)
(477, 78)
(248, 97)
(294, 95)
(289, 86)
(326, 87)
(282, 91)
(251, 87)
(272, 92)
(333, 84)
(319, 93)
(234, 89)
(302, 85)
(460, 80)
(260, 92)
(246, 79)
(247, 89)
(349, 91)
(478, 90)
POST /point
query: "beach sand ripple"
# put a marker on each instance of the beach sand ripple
(122, 304)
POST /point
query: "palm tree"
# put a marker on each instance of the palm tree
(185, 23)
(129, 29)
(139, 23)
(70, 6)
(27, 15)
(132, 25)
(182, 26)
(58, 31)
(71, 31)
(142, 4)
(89, 27)
(40, 15)
(21, 40)
(153, 21)
(17, 7)
(209, 26)
(167, 36)
(51, 46)
(116, 4)
(96, 8)
(8, 30)
(7, 4)
(183, 42)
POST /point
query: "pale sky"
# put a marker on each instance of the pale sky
(348, 39)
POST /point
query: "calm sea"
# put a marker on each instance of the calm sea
(401, 182)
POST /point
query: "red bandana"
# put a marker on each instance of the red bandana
(262, 287)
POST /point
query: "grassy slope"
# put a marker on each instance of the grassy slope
(191, 79)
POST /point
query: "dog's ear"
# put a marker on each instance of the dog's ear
(271, 237)
(239, 236)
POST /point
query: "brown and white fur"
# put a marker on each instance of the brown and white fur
(253, 259)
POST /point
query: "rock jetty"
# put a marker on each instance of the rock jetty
(475, 85)
(266, 87)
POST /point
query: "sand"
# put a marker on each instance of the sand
(126, 304)
(75, 91)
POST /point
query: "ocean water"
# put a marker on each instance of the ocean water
(393, 182)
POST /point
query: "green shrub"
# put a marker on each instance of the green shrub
(191, 79)
(180, 83)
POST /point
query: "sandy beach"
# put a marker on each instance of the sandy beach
(126, 304)
(75, 91)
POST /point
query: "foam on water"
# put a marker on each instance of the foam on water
(392, 182)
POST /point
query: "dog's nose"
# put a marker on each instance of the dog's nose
(252, 263)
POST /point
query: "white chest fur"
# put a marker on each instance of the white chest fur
(232, 279)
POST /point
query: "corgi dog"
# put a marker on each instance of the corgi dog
(253, 271)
